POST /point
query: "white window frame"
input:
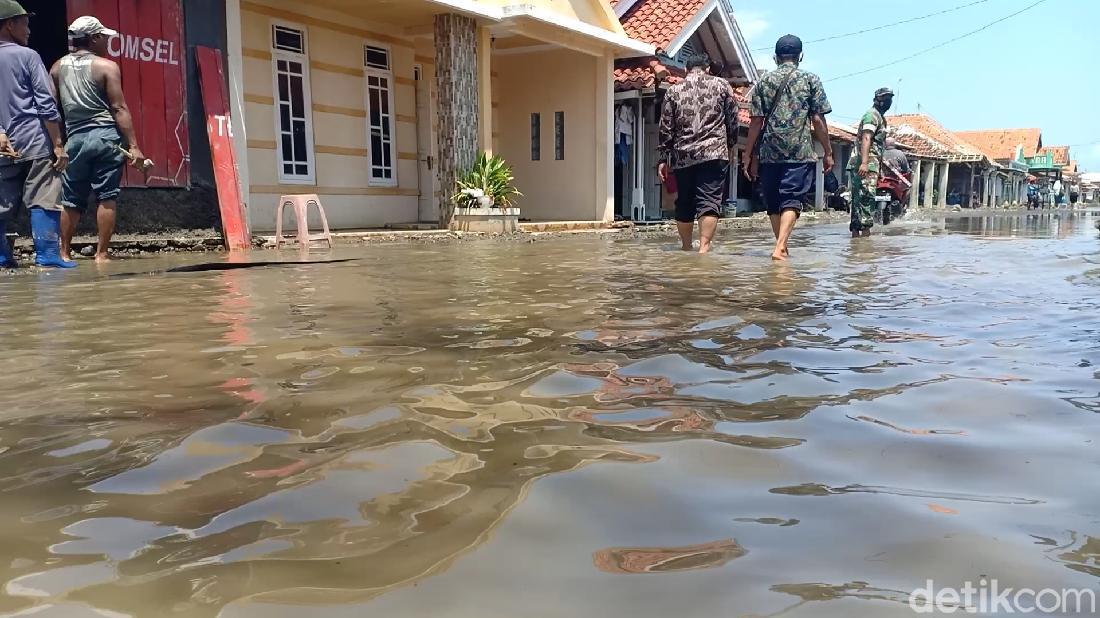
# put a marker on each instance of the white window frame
(307, 101)
(369, 72)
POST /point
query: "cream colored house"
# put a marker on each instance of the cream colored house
(375, 105)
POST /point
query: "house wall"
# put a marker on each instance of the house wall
(335, 44)
(549, 82)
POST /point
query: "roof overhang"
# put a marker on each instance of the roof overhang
(623, 7)
(552, 27)
(622, 45)
(734, 42)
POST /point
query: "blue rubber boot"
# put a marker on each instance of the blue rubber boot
(46, 231)
(7, 257)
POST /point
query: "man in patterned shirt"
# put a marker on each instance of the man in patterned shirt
(698, 131)
(863, 167)
(788, 113)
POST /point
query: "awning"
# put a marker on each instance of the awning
(551, 27)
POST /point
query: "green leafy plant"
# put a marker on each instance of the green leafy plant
(489, 183)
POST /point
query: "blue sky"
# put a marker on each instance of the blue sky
(993, 79)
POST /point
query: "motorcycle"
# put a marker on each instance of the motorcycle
(892, 195)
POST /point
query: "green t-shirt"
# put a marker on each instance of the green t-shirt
(874, 122)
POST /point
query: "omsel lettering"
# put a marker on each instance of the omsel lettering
(145, 49)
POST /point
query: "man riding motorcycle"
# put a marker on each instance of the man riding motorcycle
(895, 183)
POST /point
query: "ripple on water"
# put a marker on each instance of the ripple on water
(384, 438)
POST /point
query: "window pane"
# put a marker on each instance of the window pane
(378, 58)
(288, 147)
(536, 137)
(284, 116)
(559, 136)
(295, 67)
(375, 110)
(288, 169)
(297, 98)
(282, 65)
(376, 148)
(289, 39)
(302, 170)
(284, 88)
(300, 142)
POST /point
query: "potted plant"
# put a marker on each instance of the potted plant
(484, 198)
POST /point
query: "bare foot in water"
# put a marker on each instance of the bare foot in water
(102, 258)
(690, 248)
(704, 249)
(780, 256)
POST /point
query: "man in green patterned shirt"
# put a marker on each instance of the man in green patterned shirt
(863, 168)
(788, 112)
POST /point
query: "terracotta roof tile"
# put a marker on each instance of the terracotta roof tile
(1000, 144)
(919, 144)
(1061, 154)
(928, 135)
(660, 22)
(842, 132)
(640, 74)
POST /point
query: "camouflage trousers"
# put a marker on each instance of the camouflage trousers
(863, 200)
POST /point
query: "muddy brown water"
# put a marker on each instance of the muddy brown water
(578, 427)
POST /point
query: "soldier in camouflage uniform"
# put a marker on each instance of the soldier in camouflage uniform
(866, 161)
(788, 113)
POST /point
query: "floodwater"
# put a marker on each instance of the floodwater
(577, 427)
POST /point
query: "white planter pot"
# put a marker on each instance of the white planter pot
(486, 220)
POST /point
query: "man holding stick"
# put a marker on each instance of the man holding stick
(99, 123)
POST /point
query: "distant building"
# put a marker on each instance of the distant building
(1010, 149)
(963, 174)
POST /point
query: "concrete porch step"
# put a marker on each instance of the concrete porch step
(421, 226)
(567, 226)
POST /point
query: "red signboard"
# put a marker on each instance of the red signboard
(219, 129)
(150, 50)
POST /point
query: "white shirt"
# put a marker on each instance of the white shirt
(626, 123)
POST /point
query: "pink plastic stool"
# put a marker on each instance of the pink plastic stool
(301, 204)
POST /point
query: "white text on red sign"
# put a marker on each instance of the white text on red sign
(225, 126)
(144, 49)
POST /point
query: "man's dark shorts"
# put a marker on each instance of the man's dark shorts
(29, 184)
(787, 186)
(95, 167)
(701, 188)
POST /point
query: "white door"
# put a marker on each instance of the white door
(428, 209)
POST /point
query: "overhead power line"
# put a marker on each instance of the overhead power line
(939, 45)
(1084, 144)
(890, 25)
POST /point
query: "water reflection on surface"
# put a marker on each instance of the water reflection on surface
(716, 436)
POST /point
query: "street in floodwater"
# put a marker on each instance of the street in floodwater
(578, 427)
